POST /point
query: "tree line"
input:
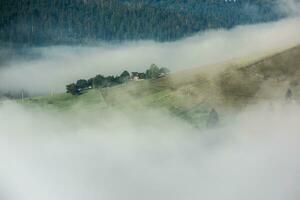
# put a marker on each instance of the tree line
(101, 81)
(43, 22)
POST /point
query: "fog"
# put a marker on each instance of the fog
(289, 7)
(53, 67)
(148, 155)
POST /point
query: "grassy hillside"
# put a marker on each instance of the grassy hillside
(191, 94)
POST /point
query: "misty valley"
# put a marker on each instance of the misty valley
(152, 99)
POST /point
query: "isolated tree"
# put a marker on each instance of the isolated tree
(288, 94)
(213, 119)
(72, 89)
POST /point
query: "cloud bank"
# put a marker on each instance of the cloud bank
(147, 155)
(59, 65)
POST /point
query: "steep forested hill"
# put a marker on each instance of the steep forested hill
(42, 22)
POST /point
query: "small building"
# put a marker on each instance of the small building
(136, 76)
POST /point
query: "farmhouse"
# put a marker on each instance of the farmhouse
(136, 76)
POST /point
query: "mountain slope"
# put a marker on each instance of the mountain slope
(193, 93)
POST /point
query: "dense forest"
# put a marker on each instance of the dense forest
(43, 22)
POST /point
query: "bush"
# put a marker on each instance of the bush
(152, 72)
(72, 89)
(124, 77)
(98, 81)
(164, 71)
(82, 84)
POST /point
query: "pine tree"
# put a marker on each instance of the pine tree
(213, 119)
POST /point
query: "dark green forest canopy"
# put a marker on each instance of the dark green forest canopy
(43, 22)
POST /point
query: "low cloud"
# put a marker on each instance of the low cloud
(289, 7)
(147, 155)
(58, 65)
